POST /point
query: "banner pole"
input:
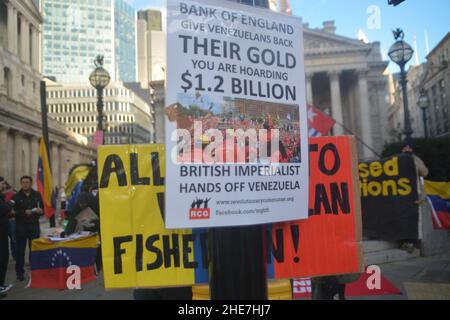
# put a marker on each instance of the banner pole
(237, 258)
(237, 264)
(52, 219)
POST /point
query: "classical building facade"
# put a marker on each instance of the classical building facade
(432, 77)
(437, 87)
(129, 117)
(345, 78)
(20, 111)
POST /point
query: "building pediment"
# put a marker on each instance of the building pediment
(320, 42)
(29, 9)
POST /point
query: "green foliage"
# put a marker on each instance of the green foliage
(434, 152)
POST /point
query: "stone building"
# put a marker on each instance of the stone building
(432, 77)
(345, 78)
(436, 84)
(20, 110)
(129, 117)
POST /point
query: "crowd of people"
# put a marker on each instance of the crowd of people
(19, 220)
(289, 136)
(20, 213)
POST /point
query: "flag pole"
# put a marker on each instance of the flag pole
(358, 138)
(52, 219)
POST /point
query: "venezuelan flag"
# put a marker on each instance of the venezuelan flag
(75, 183)
(77, 175)
(439, 199)
(50, 261)
(44, 181)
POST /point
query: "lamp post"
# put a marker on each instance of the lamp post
(424, 104)
(100, 79)
(401, 53)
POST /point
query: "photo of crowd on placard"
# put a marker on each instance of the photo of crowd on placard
(235, 114)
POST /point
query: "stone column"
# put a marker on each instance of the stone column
(364, 105)
(34, 48)
(12, 28)
(18, 158)
(309, 90)
(3, 151)
(25, 39)
(336, 103)
(2, 78)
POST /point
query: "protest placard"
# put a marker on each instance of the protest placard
(138, 251)
(330, 241)
(389, 198)
(236, 121)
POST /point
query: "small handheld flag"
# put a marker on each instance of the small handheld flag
(319, 123)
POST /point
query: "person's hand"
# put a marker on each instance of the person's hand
(28, 212)
(39, 211)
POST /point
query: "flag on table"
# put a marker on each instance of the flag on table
(50, 260)
(44, 181)
(319, 123)
(439, 199)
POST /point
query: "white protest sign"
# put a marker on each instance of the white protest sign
(236, 120)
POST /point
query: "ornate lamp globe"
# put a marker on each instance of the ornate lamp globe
(400, 52)
(99, 78)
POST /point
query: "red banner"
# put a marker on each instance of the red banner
(330, 241)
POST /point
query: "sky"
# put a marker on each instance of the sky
(416, 17)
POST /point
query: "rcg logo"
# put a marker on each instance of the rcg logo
(200, 210)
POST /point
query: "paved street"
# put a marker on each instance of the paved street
(432, 269)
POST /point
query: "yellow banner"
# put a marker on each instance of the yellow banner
(137, 250)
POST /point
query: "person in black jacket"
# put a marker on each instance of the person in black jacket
(28, 206)
(5, 213)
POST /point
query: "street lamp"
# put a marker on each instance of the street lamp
(100, 79)
(401, 53)
(424, 104)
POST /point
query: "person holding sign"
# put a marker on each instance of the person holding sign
(422, 171)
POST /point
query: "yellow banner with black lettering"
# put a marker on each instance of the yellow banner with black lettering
(137, 250)
(389, 198)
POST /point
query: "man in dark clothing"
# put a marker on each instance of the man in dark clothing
(28, 206)
(5, 212)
